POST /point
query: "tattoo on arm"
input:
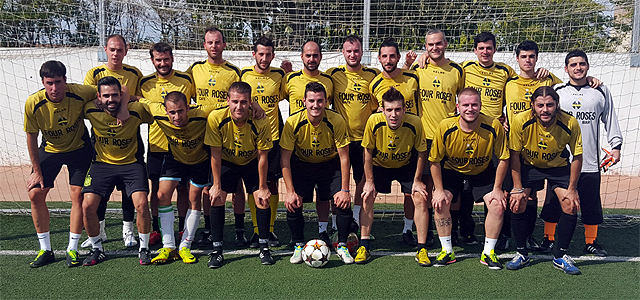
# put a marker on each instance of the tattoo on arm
(443, 222)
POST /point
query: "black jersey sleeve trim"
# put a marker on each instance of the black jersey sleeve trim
(410, 126)
(147, 78)
(135, 114)
(383, 123)
(414, 76)
(336, 70)
(490, 129)
(183, 76)
(97, 71)
(94, 110)
(161, 118)
(564, 127)
(326, 75)
(304, 122)
(293, 75)
(132, 70)
(197, 119)
(233, 67)
(253, 127)
(41, 103)
(503, 68)
(376, 84)
(447, 133)
(527, 123)
(457, 67)
(223, 122)
(244, 71)
(370, 71)
(328, 124)
(74, 96)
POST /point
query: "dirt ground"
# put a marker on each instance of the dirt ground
(616, 191)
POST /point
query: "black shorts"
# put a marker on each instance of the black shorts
(427, 165)
(533, 177)
(199, 174)
(77, 161)
(154, 164)
(230, 175)
(383, 177)
(590, 202)
(102, 178)
(356, 156)
(325, 175)
(275, 171)
(480, 184)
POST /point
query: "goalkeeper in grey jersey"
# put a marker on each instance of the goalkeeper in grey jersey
(589, 106)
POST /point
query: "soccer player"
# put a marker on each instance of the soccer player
(266, 83)
(295, 88)
(129, 76)
(184, 128)
(462, 150)
(239, 151)
(56, 112)
(538, 140)
(390, 138)
(314, 153)
(589, 106)
(154, 88)
(406, 82)
(117, 159)
(355, 103)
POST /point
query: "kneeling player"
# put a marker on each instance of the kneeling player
(541, 136)
(319, 138)
(187, 159)
(116, 160)
(239, 150)
(468, 142)
(390, 138)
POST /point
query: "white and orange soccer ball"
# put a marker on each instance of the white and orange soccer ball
(316, 253)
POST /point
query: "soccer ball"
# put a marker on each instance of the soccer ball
(352, 242)
(316, 253)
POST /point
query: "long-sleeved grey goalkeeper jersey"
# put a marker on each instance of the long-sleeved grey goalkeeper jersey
(590, 106)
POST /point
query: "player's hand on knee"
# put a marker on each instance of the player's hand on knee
(292, 201)
(342, 199)
(262, 197)
(215, 195)
(439, 199)
(419, 187)
(34, 179)
(571, 201)
(368, 190)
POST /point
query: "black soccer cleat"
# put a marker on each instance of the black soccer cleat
(95, 256)
(216, 259)
(265, 257)
(241, 239)
(595, 249)
(409, 239)
(206, 240)
(44, 257)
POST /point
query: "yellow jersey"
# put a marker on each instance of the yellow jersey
(240, 145)
(439, 87)
(154, 88)
(212, 81)
(268, 92)
(61, 124)
(469, 152)
(545, 147)
(128, 76)
(518, 92)
(392, 148)
(490, 82)
(314, 144)
(115, 144)
(406, 83)
(295, 84)
(352, 97)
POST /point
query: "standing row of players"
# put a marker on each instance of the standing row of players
(356, 91)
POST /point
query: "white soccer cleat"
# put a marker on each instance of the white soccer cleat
(343, 253)
(296, 258)
(103, 237)
(129, 239)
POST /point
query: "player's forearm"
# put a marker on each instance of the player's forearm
(501, 172)
(368, 164)
(576, 167)
(285, 163)
(515, 169)
(345, 165)
(422, 159)
(436, 175)
(32, 146)
(216, 165)
(263, 167)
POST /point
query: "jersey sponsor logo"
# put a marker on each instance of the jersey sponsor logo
(436, 83)
(392, 143)
(401, 156)
(486, 81)
(356, 86)
(469, 150)
(585, 117)
(239, 153)
(527, 95)
(269, 101)
(163, 93)
(73, 127)
(542, 145)
(212, 81)
(62, 121)
(576, 104)
(444, 97)
(517, 107)
(53, 134)
(476, 161)
(260, 88)
(347, 98)
(111, 132)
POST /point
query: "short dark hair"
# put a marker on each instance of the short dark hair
(264, 41)
(390, 42)
(392, 95)
(161, 48)
(52, 68)
(240, 88)
(115, 35)
(311, 41)
(527, 46)
(575, 53)
(470, 91)
(353, 39)
(484, 37)
(314, 87)
(108, 81)
(213, 29)
(175, 97)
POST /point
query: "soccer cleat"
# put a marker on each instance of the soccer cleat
(216, 259)
(503, 243)
(546, 246)
(102, 236)
(95, 256)
(423, 258)
(241, 240)
(206, 240)
(164, 255)
(254, 243)
(296, 258)
(187, 257)
(362, 255)
(73, 259)
(129, 239)
(444, 259)
(470, 240)
(431, 240)
(409, 239)
(325, 237)
(491, 260)
(273, 240)
(345, 256)
(532, 244)
(154, 238)
(354, 226)
(518, 262)
(145, 256)
(595, 249)
(265, 257)
(566, 264)
(44, 257)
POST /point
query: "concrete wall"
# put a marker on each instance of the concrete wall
(19, 78)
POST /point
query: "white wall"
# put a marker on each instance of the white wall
(19, 78)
